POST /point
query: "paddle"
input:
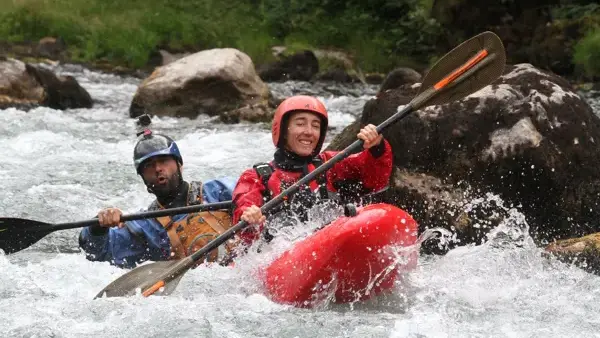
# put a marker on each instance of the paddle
(469, 67)
(17, 233)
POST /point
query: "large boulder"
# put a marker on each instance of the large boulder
(301, 66)
(529, 138)
(26, 86)
(399, 77)
(583, 252)
(434, 203)
(52, 48)
(210, 82)
(337, 66)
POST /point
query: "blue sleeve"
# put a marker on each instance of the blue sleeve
(135, 243)
(219, 190)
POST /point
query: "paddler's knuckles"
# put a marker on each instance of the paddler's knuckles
(195, 231)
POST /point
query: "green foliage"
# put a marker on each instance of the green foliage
(377, 32)
(587, 54)
(575, 11)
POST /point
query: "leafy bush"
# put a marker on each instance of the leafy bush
(379, 33)
(587, 54)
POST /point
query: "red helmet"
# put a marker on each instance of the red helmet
(298, 103)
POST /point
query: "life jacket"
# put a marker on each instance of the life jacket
(299, 202)
(194, 231)
(347, 191)
(317, 186)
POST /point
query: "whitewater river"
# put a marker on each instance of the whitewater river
(61, 166)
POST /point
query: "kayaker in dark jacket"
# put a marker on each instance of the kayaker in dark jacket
(158, 161)
(298, 132)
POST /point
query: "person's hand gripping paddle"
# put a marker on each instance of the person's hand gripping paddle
(469, 67)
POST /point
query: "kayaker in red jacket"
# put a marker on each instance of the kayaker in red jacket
(298, 131)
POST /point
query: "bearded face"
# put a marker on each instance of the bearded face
(162, 175)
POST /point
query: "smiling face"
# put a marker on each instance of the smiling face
(303, 132)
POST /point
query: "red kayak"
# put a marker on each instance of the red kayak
(353, 258)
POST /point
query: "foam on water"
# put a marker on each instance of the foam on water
(64, 166)
(503, 288)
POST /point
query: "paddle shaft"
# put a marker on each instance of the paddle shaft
(189, 261)
(490, 53)
(147, 214)
(477, 62)
(354, 147)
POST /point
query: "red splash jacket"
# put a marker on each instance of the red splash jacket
(372, 167)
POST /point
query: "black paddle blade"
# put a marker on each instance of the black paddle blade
(142, 278)
(17, 234)
(464, 70)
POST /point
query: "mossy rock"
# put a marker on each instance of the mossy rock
(583, 252)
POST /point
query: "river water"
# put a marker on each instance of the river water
(61, 166)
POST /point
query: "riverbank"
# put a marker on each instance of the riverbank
(66, 166)
(131, 37)
(130, 34)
